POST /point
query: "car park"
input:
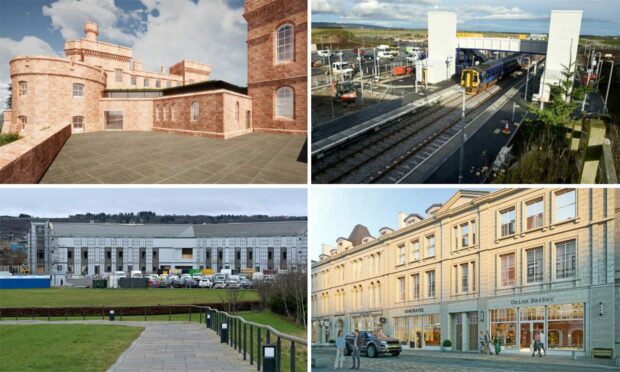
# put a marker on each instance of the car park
(205, 283)
(219, 284)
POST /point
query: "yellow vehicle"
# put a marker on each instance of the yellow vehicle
(470, 81)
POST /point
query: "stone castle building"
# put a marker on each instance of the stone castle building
(100, 86)
(61, 248)
(278, 64)
(510, 262)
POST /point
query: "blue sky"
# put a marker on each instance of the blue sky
(60, 202)
(161, 32)
(600, 17)
(335, 211)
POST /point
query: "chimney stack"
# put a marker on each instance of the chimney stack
(91, 31)
(401, 219)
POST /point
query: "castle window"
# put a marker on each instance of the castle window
(134, 80)
(23, 88)
(78, 122)
(78, 90)
(173, 113)
(146, 82)
(158, 113)
(165, 112)
(158, 83)
(237, 112)
(195, 111)
(284, 45)
(23, 120)
(284, 103)
(118, 75)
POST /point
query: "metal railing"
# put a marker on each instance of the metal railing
(244, 336)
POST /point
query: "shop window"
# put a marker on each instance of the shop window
(284, 43)
(565, 259)
(508, 221)
(23, 89)
(507, 272)
(534, 213)
(565, 323)
(565, 207)
(195, 111)
(284, 103)
(534, 265)
(432, 330)
(78, 90)
(504, 327)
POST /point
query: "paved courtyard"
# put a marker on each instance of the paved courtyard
(436, 361)
(153, 157)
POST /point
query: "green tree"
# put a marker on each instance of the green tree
(9, 100)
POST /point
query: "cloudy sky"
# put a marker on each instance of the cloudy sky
(600, 17)
(335, 211)
(61, 202)
(161, 32)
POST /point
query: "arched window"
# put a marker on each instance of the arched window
(237, 111)
(158, 113)
(165, 112)
(284, 43)
(173, 113)
(195, 111)
(284, 103)
(23, 88)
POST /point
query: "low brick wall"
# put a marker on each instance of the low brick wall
(26, 160)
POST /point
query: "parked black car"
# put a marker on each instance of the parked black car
(373, 345)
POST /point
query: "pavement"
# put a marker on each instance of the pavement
(154, 157)
(431, 361)
(170, 346)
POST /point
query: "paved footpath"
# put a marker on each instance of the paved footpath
(170, 346)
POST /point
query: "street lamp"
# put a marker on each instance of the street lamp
(611, 72)
(462, 155)
(527, 78)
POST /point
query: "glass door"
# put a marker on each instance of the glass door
(526, 336)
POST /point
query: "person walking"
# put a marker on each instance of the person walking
(487, 343)
(536, 343)
(483, 346)
(340, 343)
(541, 343)
(357, 345)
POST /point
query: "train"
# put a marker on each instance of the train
(476, 79)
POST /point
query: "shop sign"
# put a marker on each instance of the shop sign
(532, 300)
(416, 310)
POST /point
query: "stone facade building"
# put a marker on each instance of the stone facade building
(101, 86)
(278, 64)
(59, 248)
(510, 262)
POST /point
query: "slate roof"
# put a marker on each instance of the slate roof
(358, 234)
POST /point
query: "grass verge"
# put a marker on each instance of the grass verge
(66, 347)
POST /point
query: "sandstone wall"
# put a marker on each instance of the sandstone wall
(137, 112)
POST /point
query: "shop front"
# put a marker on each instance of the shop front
(367, 321)
(562, 325)
(419, 331)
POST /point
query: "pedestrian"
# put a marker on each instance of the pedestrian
(483, 347)
(340, 343)
(357, 345)
(536, 345)
(541, 343)
(487, 342)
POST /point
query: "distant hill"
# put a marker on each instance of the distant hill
(350, 25)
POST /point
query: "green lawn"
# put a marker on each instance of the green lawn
(8, 138)
(67, 347)
(60, 297)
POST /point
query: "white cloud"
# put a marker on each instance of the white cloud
(326, 6)
(209, 31)
(9, 49)
(68, 17)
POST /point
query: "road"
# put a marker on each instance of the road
(432, 361)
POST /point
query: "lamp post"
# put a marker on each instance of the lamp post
(611, 73)
(462, 154)
(527, 78)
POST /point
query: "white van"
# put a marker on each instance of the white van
(136, 274)
(385, 55)
(342, 68)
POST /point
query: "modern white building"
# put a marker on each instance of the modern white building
(61, 248)
(510, 262)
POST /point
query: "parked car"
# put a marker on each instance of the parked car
(219, 284)
(337, 53)
(205, 283)
(246, 283)
(197, 276)
(342, 68)
(385, 55)
(374, 344)
(366, 58)
(232, 283)
(325, 53)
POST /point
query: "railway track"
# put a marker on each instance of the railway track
(341, 162)
(389, 156)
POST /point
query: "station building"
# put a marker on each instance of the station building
(60, 248)
(509, 262)
(100, 86)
